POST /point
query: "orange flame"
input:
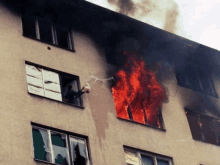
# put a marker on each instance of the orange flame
(137, 92)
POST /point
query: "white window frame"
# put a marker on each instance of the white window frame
(152, 155)
(40, 89)
(67, 138)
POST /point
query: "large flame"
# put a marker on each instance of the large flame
(137, 94)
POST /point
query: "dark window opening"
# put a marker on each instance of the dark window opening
(29, 27)
(195, 78)
(63, 37)
(70, 90)
(204, 128)
(46, 31)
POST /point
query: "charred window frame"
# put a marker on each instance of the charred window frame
(59, 147)
(196, 78)
(47, 31)
(203, 127)
(158, 124)
(53, 84)
(137, 157)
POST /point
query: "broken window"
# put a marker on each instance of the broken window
(60, 148)
(196, 78)
(138, 96)
(134, 157)
(54, 85)
(203, 127)
(46, 31)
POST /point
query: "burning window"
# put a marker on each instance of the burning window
(54, 85)
(203, 127)
(59, 148)
(196, 78)
(134, 157)
(47, 31)
(137, 93)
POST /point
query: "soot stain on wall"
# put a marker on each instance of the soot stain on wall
(101, 105)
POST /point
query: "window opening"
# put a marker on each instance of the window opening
(46, 31)
(135, 157)
(54, 85)
(52, 146)
(203, 127)
(195, 78)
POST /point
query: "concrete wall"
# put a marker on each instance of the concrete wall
(98, 120)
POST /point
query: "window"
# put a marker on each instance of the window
(157, 123)
(60, 148)
(133, 157)
(196, 78)
(203, 127)
(47, 31)
(54, 85)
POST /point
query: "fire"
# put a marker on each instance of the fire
(137, 93)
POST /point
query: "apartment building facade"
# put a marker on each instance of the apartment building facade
(51, 49)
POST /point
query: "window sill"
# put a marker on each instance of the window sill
(210, 94)
(200, 140)
(147, 125)
(82, 107)
(71, 50)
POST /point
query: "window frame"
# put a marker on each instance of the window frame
(54, 42)
(68, 136)
(154, 156)
(148, 125)
(59, 73)
(203, 133)
(186, 84)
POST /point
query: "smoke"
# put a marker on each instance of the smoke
(171, 19)
(162, 14)
(126, 7)
(129, 7)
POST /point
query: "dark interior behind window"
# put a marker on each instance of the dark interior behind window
(194, 125)
(70, 89)
(195, 78)
(203, 127)
(45, 29)
(63, 38)
(29, 27)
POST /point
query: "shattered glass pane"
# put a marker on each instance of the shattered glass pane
(147, 160)
(60, 149)
(79, 152)
(41, 144)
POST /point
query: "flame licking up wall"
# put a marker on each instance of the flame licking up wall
(137, 94)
